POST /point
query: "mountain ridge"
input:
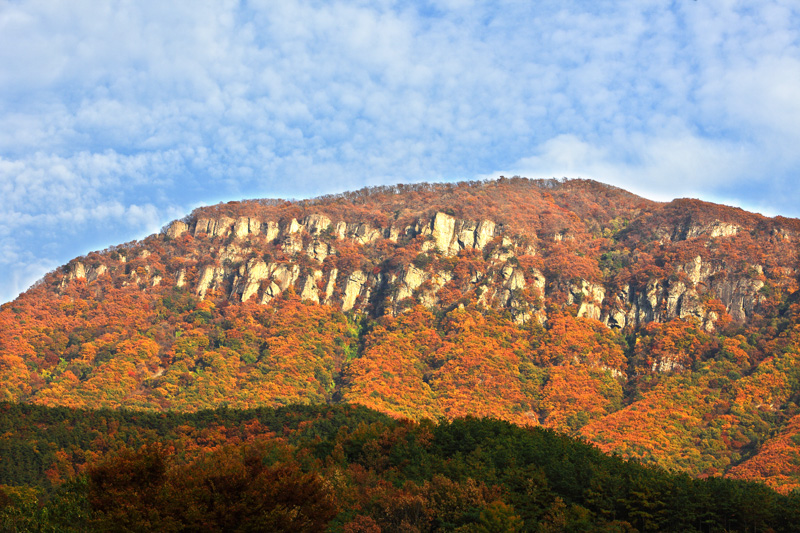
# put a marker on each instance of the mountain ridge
(309, 227)
(662, 331)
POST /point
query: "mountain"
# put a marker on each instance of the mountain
(666, 332)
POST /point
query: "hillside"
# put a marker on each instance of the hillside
(344, 469)
(666, 332)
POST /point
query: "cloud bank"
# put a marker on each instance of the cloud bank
(117, 116)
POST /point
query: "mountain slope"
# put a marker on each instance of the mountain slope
(343, 468)
(666, 332)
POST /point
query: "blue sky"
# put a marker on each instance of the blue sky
(118, 116)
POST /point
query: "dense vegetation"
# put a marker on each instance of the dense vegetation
(343, 468)
(739, 389)
(665, 333)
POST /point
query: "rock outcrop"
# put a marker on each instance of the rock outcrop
(176, 228)
(257, 260)
(590, 298)
(354, 287)
(450, 235)
(78, 270)
(211, 278)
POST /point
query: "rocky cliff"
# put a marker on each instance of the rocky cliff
(441, 260)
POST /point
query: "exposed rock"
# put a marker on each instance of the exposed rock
(476, 277)
(77, 270)
(538, 280)
(722, 229)
(697, 271)
(214, 227)
(293, 244)
(484, 233)
(360, 232)
(294, 227)
(693, 229)
(711, 318)
(674, 298)
(485, 295)
(740, 295)
(659, 300)
(465, 235)
(691, 306)
(514, 280)
(616, 319)
(442, 229)
(428, 299)
(176, 228)
(450, 235)
(271, 230)
(241, 228)
(286, 275)
(781, 234)
(210, 278)
(645, 306)
(355, 283)
(202, 226)
(270, 291)
(589, 310)
(254, 275)
(94, 273)
(256, 271)
(232, 253)
(245, 226)
(373, 280)
(340, 230)
(316, 224)
(330, 285)
(427, 246)
(364, 233)
(522, 317)
(666, 364)
(715, 229)
(411, 279)
(319, 250)
(504, 252)
(591, 297)
(223, 226)
(310, 291)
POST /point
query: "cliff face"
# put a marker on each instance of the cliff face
(440, 260)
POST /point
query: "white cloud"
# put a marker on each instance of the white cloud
(108, 106)
(663, 168)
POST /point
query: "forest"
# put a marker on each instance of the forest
(344, 468)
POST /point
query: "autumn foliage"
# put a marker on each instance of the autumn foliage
(702, 379)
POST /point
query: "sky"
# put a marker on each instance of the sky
(119, 116)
